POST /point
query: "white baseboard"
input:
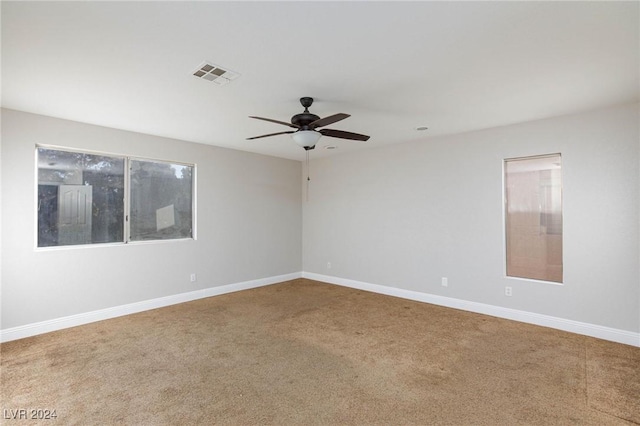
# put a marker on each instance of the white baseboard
(132, 308)
(586, 329)
(593, 330)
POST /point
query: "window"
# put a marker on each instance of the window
(160, 200)
(533, 217)
(87, 198)
(80, 198)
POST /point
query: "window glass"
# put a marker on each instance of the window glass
(161, 200)
(80, 198)
(533, 217)
(95, 198)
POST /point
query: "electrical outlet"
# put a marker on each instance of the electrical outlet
(507, 291)
(328, 265)
(193, 278)
(445, 282)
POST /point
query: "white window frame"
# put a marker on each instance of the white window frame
(504, 217)
(127, 199)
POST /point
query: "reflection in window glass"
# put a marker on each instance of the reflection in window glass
(80, 198)
(533, 198)
(161, 200)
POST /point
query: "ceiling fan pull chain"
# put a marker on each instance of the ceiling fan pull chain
(308, 178)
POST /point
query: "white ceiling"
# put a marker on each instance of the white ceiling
(394, 66)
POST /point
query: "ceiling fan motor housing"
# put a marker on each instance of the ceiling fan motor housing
(304, 119)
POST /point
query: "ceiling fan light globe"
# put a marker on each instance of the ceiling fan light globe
(306, 138)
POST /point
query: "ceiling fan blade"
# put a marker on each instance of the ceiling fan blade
(276, 121)
(271, 134)
(328, 120)
(343, 135)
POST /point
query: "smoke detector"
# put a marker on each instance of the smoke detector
(215, 74)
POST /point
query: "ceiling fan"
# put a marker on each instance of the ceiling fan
(306, 124)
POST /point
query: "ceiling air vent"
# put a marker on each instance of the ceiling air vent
(215, 74)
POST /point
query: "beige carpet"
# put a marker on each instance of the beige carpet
(303, 352)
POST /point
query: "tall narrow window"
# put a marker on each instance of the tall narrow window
(533, 217)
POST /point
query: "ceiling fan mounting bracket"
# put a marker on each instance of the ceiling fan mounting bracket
(306, 101)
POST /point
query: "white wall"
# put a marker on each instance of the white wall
(399, 216)
(404, 216)
(248, 228)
